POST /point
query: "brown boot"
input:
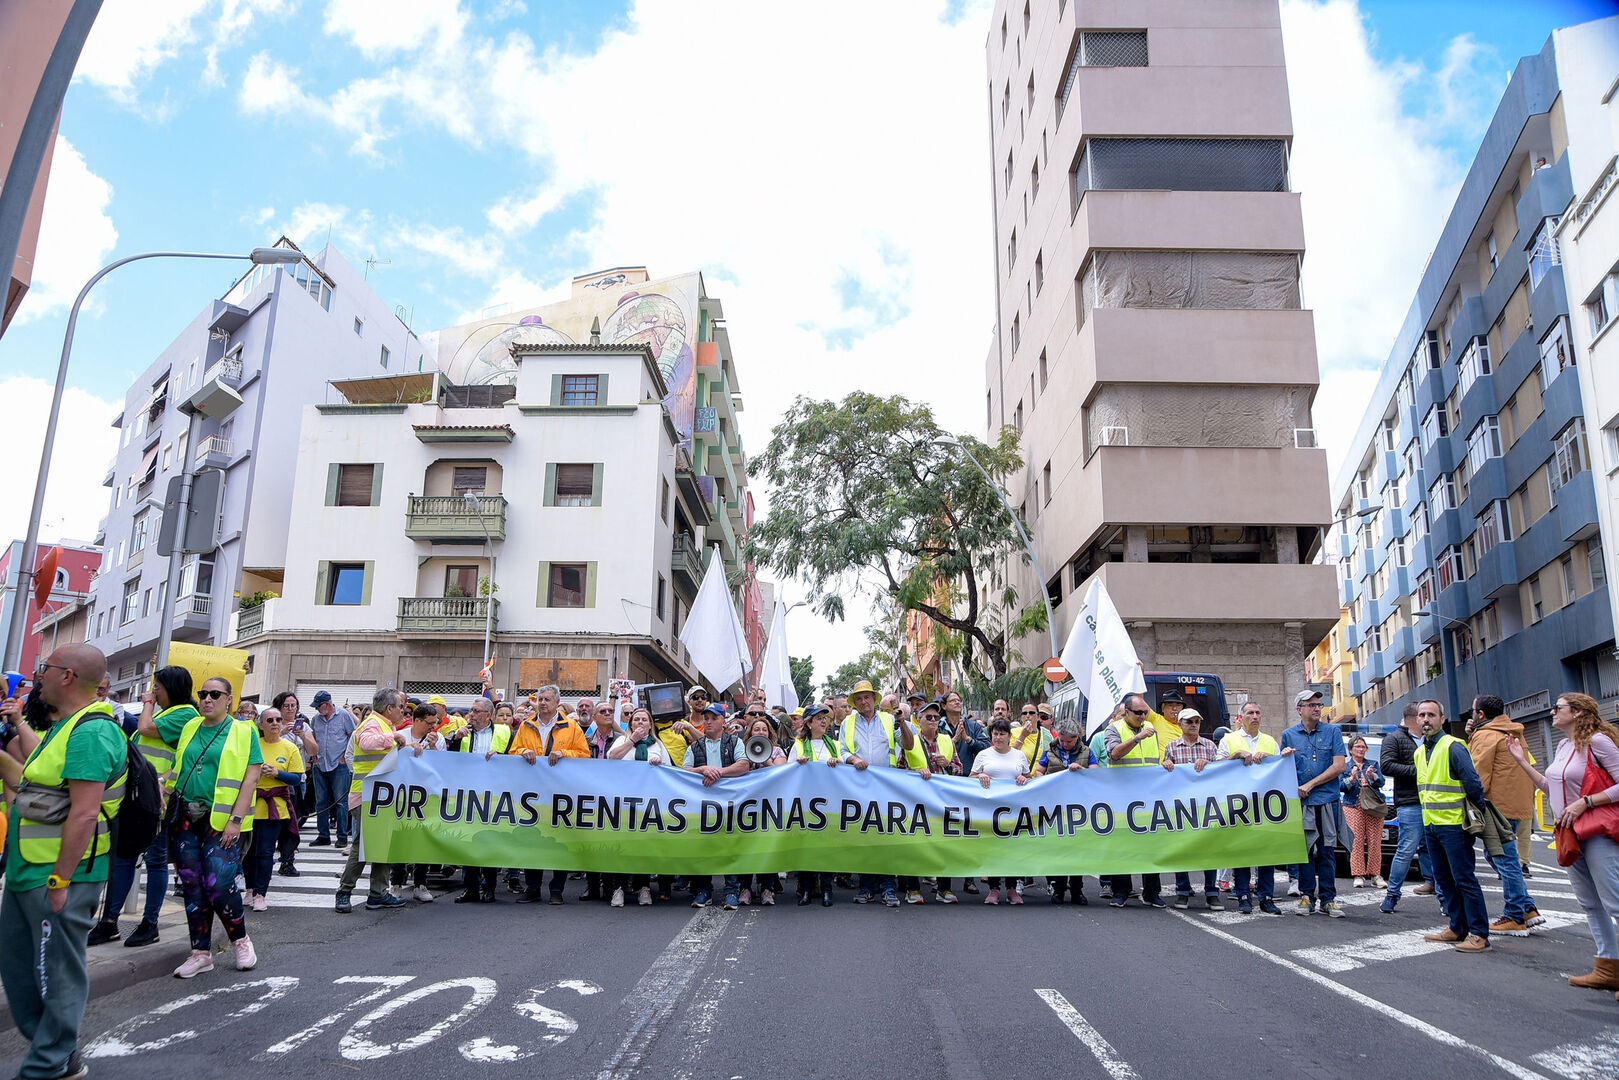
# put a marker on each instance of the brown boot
(1604, 976)
(1474, 943)
(1447, 935)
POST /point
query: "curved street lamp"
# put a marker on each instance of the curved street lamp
(17, 628)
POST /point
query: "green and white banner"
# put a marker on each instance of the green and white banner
(631, 817)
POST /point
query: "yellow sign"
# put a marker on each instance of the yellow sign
(211, 662)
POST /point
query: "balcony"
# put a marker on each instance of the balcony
(687, 561)
(227, 371)
(259, 619)
(193, 613)
(432, 614)
(449, 519)
(215, 452)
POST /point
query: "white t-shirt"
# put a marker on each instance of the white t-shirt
(656, 753)
(1000, 766)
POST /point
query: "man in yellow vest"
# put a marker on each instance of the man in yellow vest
(373, 740)
(1134, 741)
(869, 737)
(1251, 746)
(57, 863)
(1445, 777)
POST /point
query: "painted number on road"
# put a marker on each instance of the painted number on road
(115, 1043)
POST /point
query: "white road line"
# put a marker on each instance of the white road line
(1398, 946)
(662, 988)
(1591, 1060)
(1437, 1034)
(1099, 1047)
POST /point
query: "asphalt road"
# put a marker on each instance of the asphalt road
(954, 993)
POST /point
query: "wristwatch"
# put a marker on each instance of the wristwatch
(236, 819)
(54, 882)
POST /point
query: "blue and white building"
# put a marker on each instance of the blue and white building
(1468, 535)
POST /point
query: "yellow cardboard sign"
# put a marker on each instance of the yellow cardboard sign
(211, 662)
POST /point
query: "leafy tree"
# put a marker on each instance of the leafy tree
(861, 487)
(803, 672)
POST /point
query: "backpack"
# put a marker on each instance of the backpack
(138, 817)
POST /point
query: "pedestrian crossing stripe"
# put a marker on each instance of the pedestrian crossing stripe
(1399, 945)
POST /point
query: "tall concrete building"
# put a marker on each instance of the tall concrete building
(1151, 343)
(1473, 563)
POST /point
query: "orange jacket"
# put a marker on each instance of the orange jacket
(1505, 784)
(566, 737)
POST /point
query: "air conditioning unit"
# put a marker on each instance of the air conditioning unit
(1304, 439)
(1117, 435)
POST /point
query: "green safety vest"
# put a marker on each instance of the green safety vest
(239, 743)
(848, 735)
(159, 753)
(40, 843)
(916, 756)
(366, 760)
(1440, 793)
(1234, 742)
(498, 742)
(1138, 754)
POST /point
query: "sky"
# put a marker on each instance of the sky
(833, 193)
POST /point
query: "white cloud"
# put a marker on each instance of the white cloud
(76, 234)
(312, 224)
(85, 444)
(387, 26)
(131, 38)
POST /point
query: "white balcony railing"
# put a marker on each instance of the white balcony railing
(227, 371)
(214, 445)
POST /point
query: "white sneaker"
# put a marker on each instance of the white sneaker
(421, 894)
(645, 898)
(258, 903)
(399, 892)
(1293, 888)
(246, 958)
(1360, 883)
(195, 964)
(618, 898)
(1380, 882)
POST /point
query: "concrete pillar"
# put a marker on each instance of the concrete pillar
(1287, 545)
(1135, 543)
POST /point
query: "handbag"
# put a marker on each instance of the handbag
(1598, 820)
(1567, 845)
(42, 803)
(1372, 804)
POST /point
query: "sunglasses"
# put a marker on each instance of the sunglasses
(207, 694)
(1029, 712)
(1140, 712)
(755, 713)
(605, 710)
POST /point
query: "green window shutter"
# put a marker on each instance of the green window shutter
(551, 482)
(331, 485)
(590, 584)
(323, 573)
(601, 389)
(556, 389)
(545, 581)
(365, 582)
(376, 484)
(596, 484)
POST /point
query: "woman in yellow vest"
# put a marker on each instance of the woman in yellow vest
(280, 780)
(935, 752)
(815, 745)
(217, 766)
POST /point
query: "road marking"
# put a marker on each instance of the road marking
(705, 1011)
(1099, 1047)
(1398, 946)
(356, 1044)
(663, 987)
(385, 984)
(115, 1043)
(1437, 1034)
(560, 1026)
(1592, 1060)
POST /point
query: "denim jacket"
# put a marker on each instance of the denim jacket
(1351, 788)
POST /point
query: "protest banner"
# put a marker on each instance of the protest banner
(630, 817)
(211, 662)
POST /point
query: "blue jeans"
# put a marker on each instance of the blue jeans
(1151, 886)
(1452, 852)
(1266, 882)
(332, 795)
(706, 885)
(1318, 873)
(157, 879)
(876, 883)
(1183, 883)
(1516, 898)
(1411, 845)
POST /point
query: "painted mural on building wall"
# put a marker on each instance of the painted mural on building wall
(663, 315)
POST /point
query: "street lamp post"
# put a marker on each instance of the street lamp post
(25, 571)
(475, 505)
(1051, 621)
(1447, 656)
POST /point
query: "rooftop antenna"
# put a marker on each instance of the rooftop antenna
(374, 261)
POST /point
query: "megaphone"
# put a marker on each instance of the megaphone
(759, 748)
(13, 680)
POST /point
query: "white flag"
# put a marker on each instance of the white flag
(1101, 658)
(713, 633)
(776, 672)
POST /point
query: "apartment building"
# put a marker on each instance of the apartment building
(1470, 557)
(53, 623)
(1152, 346)
(1327, 669)
(274, 338)
(597, 438)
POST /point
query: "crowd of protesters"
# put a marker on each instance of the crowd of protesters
(244, 783)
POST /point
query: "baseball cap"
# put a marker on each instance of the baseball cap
(321, 697)
(1190, 714)
(1306, 695)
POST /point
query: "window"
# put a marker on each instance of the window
(1593, 561)
(1003, 32)
(565, 587)
(146, 602)
(1009, 172)
(1474, 362)
(197, 576)
(989, 409)
(1011, 251)
(346, 584)
(1435, 426)
(1114, 48)
(581, 390)
(1419, 522)
(1190, 280)
(1025, 19)
(137, 536)
(1170, 164)
(573, 485)
(1034, 181)
(663, 500)
(1406, 392)
(1543, 253)
(1442, 495)
(353, 485)
(1031, 92)
(1450, 568)
(1397, 551)
(1495, 256)
(1045, 484)
(661, 588)
(168, 456)
(1462, 479)
(1566, 563)
(1017, 416)
(1484, 443)
(1596, 309)
(132, 593)
(1571, 456)
(1017, 331)
(1042, 370)
(1555, 354)
(460, 581)
(1494, 526)
(359, 326)
(1391, 432)
(1425, 589)
(383, 358)
(1039, 271)
(469, 480)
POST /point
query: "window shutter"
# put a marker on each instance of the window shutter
(590, 584)
(365, 582)
(551, 480)
(556, 389)
(601, 389)
(542, 600)
(376, 484)
(331, 487)
(596, 484)
(323, 574)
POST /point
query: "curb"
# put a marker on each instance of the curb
(108, 976)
